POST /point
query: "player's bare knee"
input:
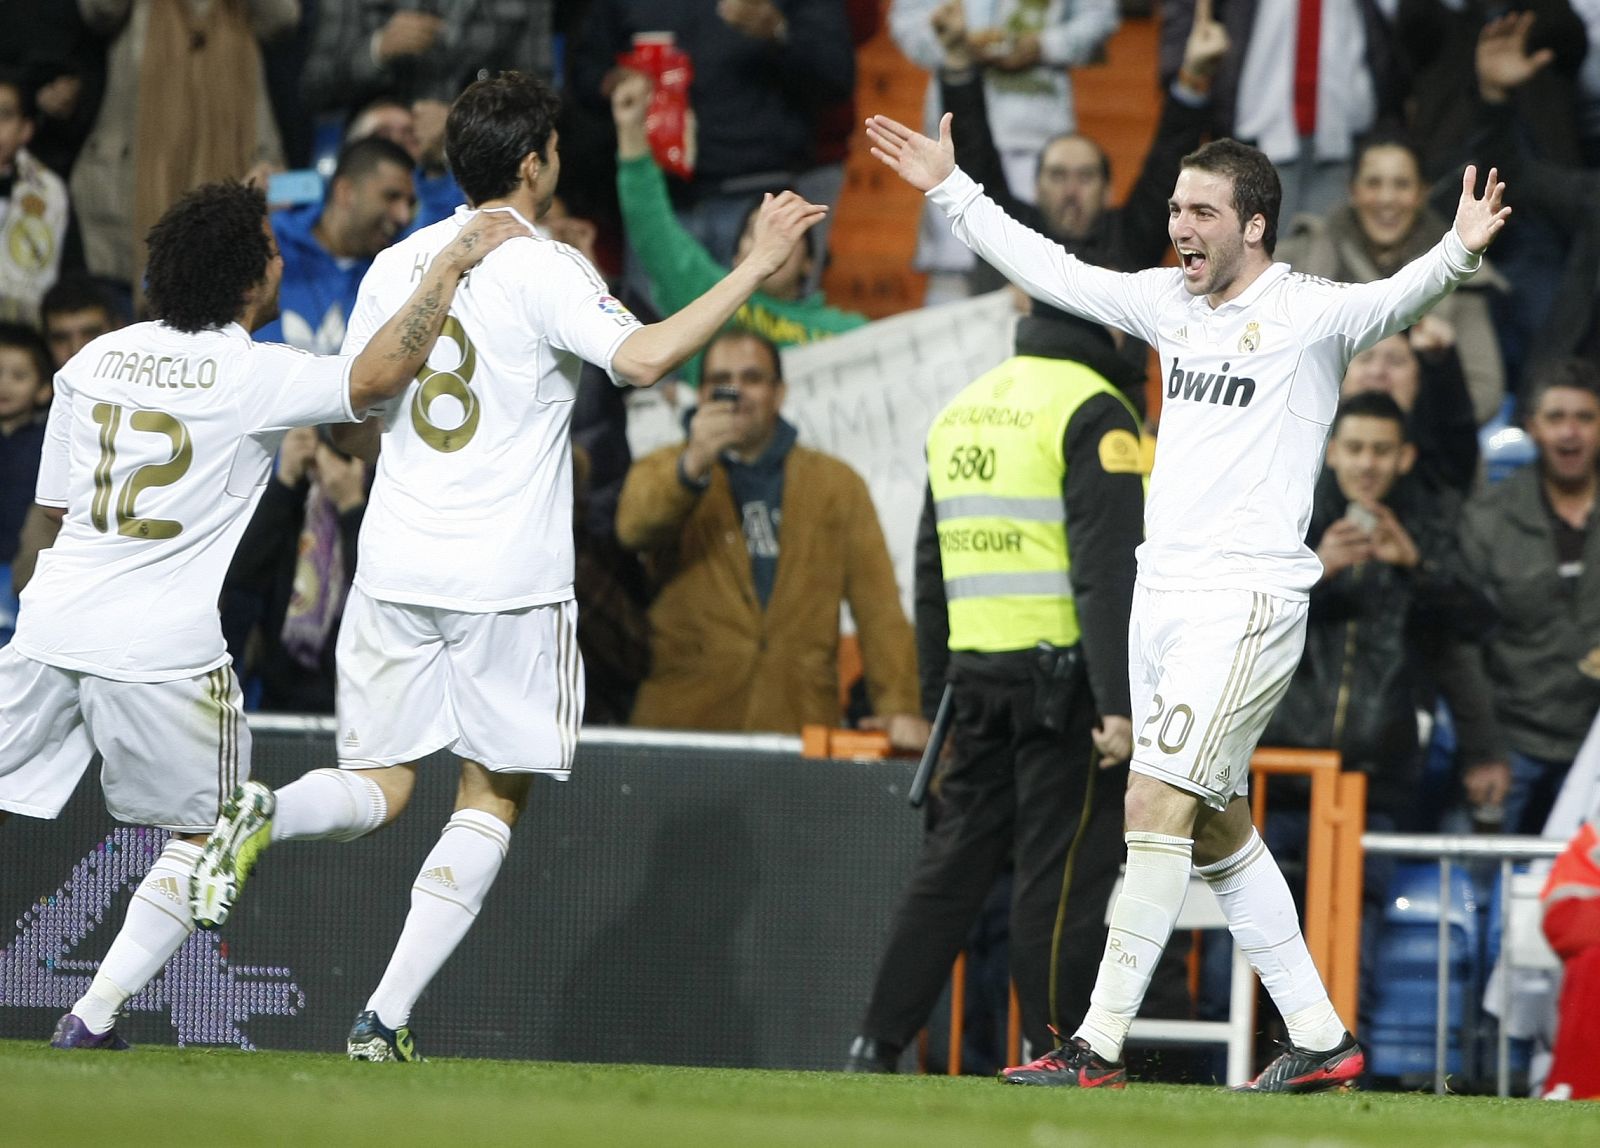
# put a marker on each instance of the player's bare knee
(1219, 834)
(1152, 806)
(502, 795)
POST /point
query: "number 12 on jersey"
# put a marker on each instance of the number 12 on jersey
(109, 417)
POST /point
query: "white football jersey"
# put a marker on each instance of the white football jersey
(1251, 388)
(159, 445)
(471, 508)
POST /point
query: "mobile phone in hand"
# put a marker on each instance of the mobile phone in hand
(1362, 517)
(292, 188)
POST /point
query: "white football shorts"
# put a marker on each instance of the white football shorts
(1206, 669)
(172, 751)
(502, 689)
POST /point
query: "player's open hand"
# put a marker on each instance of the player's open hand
(1479, 219)
(782, 220)
(920, 161)
(482, 234)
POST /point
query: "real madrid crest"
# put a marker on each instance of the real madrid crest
(30, 244)
(1251, 339)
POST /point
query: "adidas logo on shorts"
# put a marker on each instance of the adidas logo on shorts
(350, 739)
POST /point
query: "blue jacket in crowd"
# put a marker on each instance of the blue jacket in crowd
(319, 291)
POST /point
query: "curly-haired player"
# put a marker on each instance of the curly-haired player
(159, 443)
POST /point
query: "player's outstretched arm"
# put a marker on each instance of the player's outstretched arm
(920, 161)
(1480, 218)
(652, 351)
(388, 363)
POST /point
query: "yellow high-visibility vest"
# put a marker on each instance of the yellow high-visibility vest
(996, 464)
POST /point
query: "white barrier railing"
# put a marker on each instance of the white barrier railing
(1448, 849)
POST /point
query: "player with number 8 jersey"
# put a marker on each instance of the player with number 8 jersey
(460, 630)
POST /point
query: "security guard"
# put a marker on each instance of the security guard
(1024, 583)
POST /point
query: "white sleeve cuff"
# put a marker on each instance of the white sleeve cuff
(952, 194)
(1455, 251)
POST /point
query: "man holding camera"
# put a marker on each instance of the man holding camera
(754, 542)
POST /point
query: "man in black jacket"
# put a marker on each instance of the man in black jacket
(1394, 599)
(1384, 630)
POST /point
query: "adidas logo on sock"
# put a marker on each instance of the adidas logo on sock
(441, 875)
(168, 888)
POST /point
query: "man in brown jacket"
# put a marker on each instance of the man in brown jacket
(746, 632)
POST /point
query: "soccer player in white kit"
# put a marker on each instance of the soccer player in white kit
(1252, 355)
(160, 442)
(460, 631)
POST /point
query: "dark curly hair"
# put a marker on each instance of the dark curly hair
(206, 251)
(492, 126)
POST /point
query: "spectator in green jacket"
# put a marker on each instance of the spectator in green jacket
(680, 269)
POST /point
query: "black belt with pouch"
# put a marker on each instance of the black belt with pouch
(1056, 670)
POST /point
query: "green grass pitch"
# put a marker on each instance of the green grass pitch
(174, 1096)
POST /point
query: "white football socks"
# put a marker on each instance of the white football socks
(1153, 890)
(339, 803)
(157, 924)
(1261, 915)
(445, 899)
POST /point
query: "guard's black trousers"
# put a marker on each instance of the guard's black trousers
(1014, 787)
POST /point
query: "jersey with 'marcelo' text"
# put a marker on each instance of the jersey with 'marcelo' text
(159, 446)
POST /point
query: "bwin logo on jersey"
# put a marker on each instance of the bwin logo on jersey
(1229, 390)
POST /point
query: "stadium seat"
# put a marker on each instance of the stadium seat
(1401, 1035)
(1505, 447)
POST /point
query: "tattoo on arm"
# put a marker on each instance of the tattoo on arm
(420, 324)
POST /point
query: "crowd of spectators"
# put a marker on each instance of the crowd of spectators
(711, 572)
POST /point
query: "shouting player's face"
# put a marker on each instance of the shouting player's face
(1206, 232)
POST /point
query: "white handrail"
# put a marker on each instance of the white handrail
(774, 743)
(1448, 847)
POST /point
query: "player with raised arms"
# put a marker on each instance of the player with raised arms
(1252, 355)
